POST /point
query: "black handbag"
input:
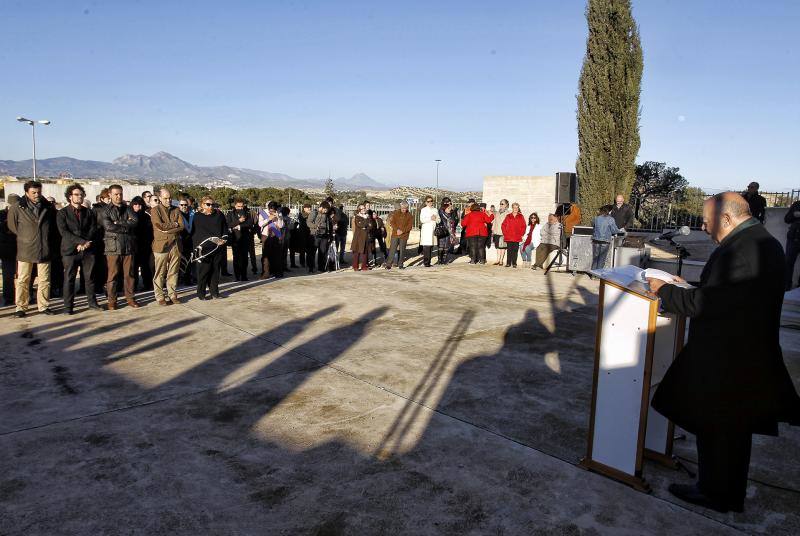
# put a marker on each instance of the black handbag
(440, 231)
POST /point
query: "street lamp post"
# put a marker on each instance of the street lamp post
(32, 123)
(438, 161)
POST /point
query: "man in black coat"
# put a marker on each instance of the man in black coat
(792, 218)
(622, 213)
(77, 225)
(119, 223)
(8, 252)
(241, 224)
(757, 202)
(729, 381)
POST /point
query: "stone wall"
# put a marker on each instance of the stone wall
(56, 190)
(534, 194)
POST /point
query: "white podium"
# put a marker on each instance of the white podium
(635, 345)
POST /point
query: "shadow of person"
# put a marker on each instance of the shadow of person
(536, 388)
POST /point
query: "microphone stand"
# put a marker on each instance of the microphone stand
(681, 252)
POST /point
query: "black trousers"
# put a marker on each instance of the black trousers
(792, 251)
(426, 255)
(311, 253)
(71, 263)
(723, 458)
(477, 251)
(240, 253)
(223, 261)
(513, 249)
(321, 245)
(273, 258)
(341, 240)
(9, 271)
(251, 248)
(208, 273)
(145, 263)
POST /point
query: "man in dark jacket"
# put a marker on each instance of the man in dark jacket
(76, 223)
(100, 273)
(321, 228)
(341, 221)
(119, 224)
(304, 242)
(729, 381)
(792, 217)
(756, 201)
(622, 213)
(241, 224)
(33, 220)
(8, 252)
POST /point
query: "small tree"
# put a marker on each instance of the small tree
(656, 184)
(330, 191)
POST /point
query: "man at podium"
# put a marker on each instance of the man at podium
(729, 381)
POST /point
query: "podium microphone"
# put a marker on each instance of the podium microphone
(669, 235)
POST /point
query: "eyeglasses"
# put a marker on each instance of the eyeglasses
(77, 193)
(184, 204)
(208, 204)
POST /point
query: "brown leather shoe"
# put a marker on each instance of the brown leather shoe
(162, 302)
(112, 305)
(132, 303)
(175, 299)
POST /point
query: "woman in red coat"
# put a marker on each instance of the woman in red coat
(474, 223)
(513, 228)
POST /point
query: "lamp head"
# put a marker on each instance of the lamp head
(44, 122)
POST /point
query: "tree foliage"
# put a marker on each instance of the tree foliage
(254, 196)
(656, 184)
(330, 191)
(608, 104)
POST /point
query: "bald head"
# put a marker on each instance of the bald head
(722, 213)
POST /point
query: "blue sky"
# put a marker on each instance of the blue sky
(305, 88)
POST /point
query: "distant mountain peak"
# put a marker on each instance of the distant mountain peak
(165, 167)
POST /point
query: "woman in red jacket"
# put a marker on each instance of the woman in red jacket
(513, 228)
(476, 232)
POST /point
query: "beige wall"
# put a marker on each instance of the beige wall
(92, 188)
(534, 194)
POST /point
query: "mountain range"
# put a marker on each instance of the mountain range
(163, 167)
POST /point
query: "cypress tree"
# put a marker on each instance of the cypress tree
(608, 105)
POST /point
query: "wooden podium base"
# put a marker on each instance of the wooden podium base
(636, 482)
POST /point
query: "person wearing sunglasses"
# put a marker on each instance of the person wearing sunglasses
(209, 230)
(428, 219)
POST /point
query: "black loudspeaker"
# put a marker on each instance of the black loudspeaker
(566, 187)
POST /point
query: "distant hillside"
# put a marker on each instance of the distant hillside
(164, 167)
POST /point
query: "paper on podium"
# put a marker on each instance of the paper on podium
(635, 278)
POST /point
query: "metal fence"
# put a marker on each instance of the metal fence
(668, 215)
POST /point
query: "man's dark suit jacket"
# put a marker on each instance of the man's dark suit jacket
(74, 232)
(731, 372)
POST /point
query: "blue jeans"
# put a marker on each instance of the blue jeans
(599, 254)
(527, 253)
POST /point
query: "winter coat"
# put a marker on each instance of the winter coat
(401, 221)
(533, 235)
(513, 227)
(167, 228)
(35, 233)
(119, 228)
(426, 236)
(8, 242)
(731, 372)
(362, 241)
(379, 229)
(551, 234)
(499, 217)
(319, 225)
(623, 216)
(449, 222)
(475, 223)
(245, 231)
(75, 232)
(144, 233)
